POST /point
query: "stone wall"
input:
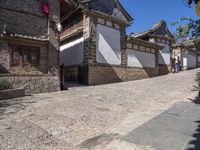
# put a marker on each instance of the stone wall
(11, 93)
(4, 57)
(33, 84)
(22, 18)
(102, 74)
(164, 69)
(28, 26)
(141, 73)
(106, 74)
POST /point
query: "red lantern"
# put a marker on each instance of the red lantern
(45, 8)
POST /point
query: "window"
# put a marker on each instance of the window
(34, 54)
(24, 56)
(16, 56)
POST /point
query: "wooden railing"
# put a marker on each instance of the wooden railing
(71, 29)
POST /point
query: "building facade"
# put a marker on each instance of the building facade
(160, 35)
(186, 54)
(95, 48)
(29, 44)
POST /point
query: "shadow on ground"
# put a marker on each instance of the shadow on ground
(194, 143)
(13, 106)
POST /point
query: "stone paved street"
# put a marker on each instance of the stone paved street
(175, 129)
(93, 117)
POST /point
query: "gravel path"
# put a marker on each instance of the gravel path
(89, 117)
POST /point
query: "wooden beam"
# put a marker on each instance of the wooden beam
(68, 15)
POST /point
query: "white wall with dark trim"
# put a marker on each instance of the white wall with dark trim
(108, 49)
(140, 59)
(72, 53)
(189, 60)
(164, 54)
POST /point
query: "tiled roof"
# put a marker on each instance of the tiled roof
(187, 42)
(109, 7)
(24, 37)
(155, 30)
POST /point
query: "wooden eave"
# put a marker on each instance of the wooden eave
(144, 43)
(24, 39)
(186, 47)
(68, 8)
(162, 37)
(101, 14)
(150, 32)
(75, 33)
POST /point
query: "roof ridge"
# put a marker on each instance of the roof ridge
(154, 28)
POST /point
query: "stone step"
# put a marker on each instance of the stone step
(11, 93)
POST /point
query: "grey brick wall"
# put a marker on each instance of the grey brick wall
(33, 84)
(24, 17)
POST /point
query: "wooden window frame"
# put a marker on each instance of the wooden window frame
(38, 56)
(13, 47)
(21, 49)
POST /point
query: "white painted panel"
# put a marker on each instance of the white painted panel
(185, 62)
(164, 54)
(108, 45)
(189, 60)
(140, 59)
(72, 52)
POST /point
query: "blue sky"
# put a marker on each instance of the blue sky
(148, 12)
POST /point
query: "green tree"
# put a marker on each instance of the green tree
(189, 27)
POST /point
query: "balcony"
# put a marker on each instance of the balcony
(71, 30)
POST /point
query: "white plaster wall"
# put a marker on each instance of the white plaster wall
(189, 60)
(72, 53)
(140, 59)
(108, 45)
(164, 54)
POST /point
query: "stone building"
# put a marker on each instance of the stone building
(29, 44)
(95, 48)
(186, 53)
(160, 35)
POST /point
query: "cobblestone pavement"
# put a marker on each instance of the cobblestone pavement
(89, 117)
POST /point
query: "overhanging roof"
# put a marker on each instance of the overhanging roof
(159, 29)
(109, 7)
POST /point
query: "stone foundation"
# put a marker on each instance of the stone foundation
(138, 73)
(33, 84)
(103, 74)
(106, 74)
(112, 74)
(11, 93)
(164, 69)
